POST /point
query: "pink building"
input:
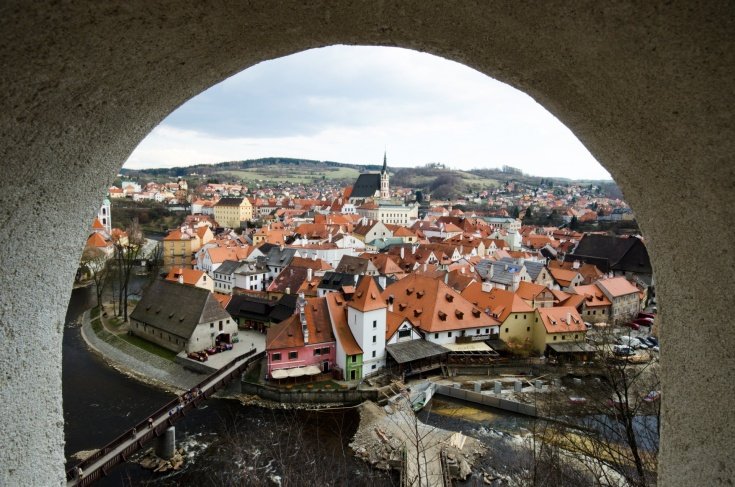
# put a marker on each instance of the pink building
(302, 344)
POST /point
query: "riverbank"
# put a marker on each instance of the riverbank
(135, 362)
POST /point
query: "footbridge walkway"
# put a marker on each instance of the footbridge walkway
(131, 441)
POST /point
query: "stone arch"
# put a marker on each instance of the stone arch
(648, 89)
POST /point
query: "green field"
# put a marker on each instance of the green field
(291, 173)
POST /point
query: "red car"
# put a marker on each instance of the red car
(643, 321)
(646, 315)
(633, 326)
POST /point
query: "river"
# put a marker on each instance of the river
(226, 443)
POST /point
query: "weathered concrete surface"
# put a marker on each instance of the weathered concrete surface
(647, 88)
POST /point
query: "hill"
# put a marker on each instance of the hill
(438, 180)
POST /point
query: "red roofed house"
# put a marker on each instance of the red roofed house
(560, 331)
(439, 311)
(596, 307)
(366, 318)
(624, 296)
(191, 277)
(303, 344)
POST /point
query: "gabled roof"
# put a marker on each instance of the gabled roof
(366, 186)
(231, 202)
(593, 296)
(613, 253)
(334, 281)
(337, 305)
(228, 267)
(563, 276)
(616, 286)
(189, 276)
(355, 265)
(499, 302)
(280, 256)
(433, 306)
(529, 290)
(97, 225)
(288, 333)
(533, 268)
(563, 319)
(96, 240)
(177, 309)
(393, 321)
(367, 297)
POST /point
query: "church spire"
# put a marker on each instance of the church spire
(385, 162)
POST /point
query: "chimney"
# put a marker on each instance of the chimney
(288, 290)
(446, 278)
(403, 252)
(329, 238)
(181, 279)
(301, 304)
(486, 286)
(462, 270)
(569, 318)
(575, 264)
(309, 274)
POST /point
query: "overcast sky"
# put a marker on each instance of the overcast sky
(348, 104)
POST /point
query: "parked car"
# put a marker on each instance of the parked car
(633, 326)
(198, 356)
(643, 321)
(623, 350)
(646, 315)
(631, 342)
(651, 341)
(577, 400)
(211, 351)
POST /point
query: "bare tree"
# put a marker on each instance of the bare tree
(615, 432)
(128, 246)
(95, 261)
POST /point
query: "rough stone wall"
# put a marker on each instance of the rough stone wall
(647, 87)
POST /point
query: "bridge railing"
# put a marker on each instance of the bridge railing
(150, 433)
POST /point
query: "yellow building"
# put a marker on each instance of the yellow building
(232, 212)
(514, 314)
(180, 245)
(561, 329)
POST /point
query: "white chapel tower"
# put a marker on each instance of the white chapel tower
(384, 179)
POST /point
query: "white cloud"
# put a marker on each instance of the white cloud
(347, 103)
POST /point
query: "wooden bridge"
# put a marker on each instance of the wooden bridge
(131, 441)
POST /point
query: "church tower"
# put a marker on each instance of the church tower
(384, 179)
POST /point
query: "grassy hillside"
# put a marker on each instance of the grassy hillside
(440, 181)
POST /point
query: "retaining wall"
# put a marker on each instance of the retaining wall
(487, 400)
(351, 396)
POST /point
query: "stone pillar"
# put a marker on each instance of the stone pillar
(166, 444)
(518, 386)
(478, 387)
(497, 387)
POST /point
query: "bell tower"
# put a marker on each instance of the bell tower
(384, 179)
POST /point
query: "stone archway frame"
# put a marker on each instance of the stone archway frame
(647, 88)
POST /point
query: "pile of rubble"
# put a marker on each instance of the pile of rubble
(390, 434)
(150, 461)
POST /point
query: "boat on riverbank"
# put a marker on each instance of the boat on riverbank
(421, 394)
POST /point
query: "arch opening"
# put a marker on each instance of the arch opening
(649, 114)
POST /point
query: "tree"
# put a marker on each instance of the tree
(128, 246)
(615, 433)
(574, 223)
(95, 261)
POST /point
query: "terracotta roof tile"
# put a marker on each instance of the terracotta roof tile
(367, 296)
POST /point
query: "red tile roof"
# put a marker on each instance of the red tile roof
(367, 296)
(563, 319)
(337, 305)
(433, 306)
